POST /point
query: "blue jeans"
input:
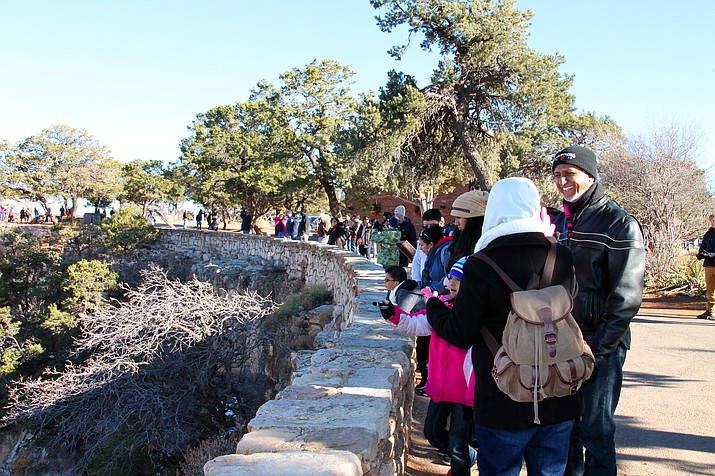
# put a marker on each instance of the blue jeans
(596, 431)
(502, 452)
(456, 440)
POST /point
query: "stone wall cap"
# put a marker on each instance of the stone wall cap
(288, 463)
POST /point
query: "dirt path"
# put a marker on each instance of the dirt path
(665, 416)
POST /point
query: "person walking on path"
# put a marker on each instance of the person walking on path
(707, 253)
(407, 232)
(364, 236)
(387, 253)
(246, 219)
(609, 257)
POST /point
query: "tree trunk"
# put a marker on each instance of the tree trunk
(480, 168)
(333, 201)
(426, 199)
(71, 211)
(48, 212)
(324, 178)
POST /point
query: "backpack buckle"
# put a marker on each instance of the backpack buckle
(550, 338)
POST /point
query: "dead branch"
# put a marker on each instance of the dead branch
(151, 374)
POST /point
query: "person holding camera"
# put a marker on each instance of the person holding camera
(707, 253)
(401, 291)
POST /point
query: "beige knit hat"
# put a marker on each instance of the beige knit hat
(470, 204)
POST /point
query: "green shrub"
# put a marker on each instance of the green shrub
(87, 284)
(135, 459)
(689, 278)
(128, 230)
(309, 297)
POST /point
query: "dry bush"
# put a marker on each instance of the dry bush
(657, 178)
(210, 448)
(155, 377)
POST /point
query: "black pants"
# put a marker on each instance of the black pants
(422, 352)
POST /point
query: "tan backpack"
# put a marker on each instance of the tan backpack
(543, 353)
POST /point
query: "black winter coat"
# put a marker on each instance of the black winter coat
(484, 299)
(708, 247)
(409, 234)
(609, 258)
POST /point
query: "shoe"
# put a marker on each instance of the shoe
(706, 315)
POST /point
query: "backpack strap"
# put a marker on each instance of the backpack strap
(490, 340)
(548, 273)
(444, 254)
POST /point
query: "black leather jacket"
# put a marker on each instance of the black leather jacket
(609, 258)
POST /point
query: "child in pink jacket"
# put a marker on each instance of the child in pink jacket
(447, 382)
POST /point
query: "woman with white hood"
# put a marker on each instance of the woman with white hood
(515, 235)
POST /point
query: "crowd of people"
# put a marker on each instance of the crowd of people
(8, 214)
(451, 285)
(455, 302)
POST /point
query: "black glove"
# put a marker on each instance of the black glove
(387, 309)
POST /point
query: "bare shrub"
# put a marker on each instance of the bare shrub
(210, 448)
(154, 379)
(656, 178)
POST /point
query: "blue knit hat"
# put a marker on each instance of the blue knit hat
(456, 271)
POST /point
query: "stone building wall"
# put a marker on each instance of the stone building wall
(387, 203)
(348, 408)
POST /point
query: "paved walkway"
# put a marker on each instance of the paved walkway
(666, 415)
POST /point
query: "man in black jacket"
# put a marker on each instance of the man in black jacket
(707, 253)
(609, 257)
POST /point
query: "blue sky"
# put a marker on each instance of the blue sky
(134, 74)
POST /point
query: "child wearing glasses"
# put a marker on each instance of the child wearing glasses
(401, 291)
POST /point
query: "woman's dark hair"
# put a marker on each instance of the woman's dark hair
(463, 241)
(432, 234)
(397, 272)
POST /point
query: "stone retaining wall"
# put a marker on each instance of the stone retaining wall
(348, 408)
